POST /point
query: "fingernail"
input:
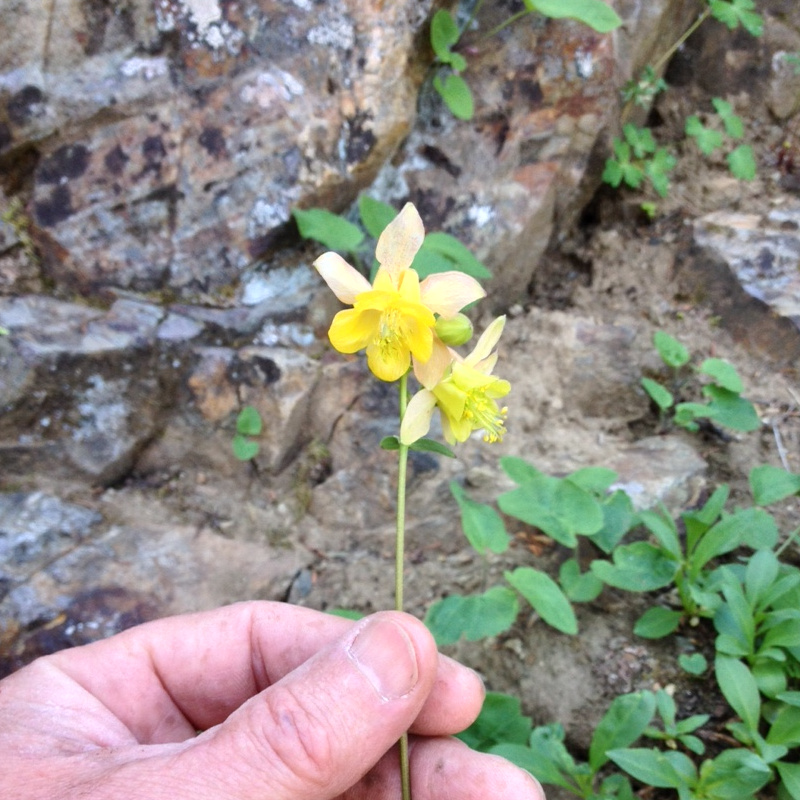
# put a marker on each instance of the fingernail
(385, 656)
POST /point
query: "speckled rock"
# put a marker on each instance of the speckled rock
(746, 267)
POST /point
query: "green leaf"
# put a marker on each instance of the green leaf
(728, 534)
(547, 599)
(473, 617)
(623, 723)
(328, 229)
(770, 484)
(739, 688)
(456, 95)
(658, 394)
(658, 169)
(618, 518)
(723, 373)
(657, 622)
(790, 776)
(694, 664)
(593, 479)
(665, 770)
(549, 761)
(248, 422)
(390, 443)
(426, 445)
(761, 573)
(519, 470)
(481, 524)
(579, 587)
(593, 13)
(733, 124)
(738, 12)
(375, 215)
(664, 530)
(742, 163)
(734, 774)
(785, 727)
(456, 255)
(243, 449)
(637, 567)
(445, 34)
(346, 613)
(707, 139)
(672, 352)
(501, 720)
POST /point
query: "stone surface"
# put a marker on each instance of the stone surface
(745, 265)
(69, 576)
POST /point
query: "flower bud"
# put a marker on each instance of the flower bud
(454, 331)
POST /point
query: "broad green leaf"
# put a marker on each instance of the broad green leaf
(390, 443)
(733, 124)
(785, 727)
(698, 522)
(658, 169)
(657, 622)
(637, 567)
(519, 470)
(623, 723)
(640, 139)
(694, 664)
(549, 761)
(723, 373)
(501, 720)
(473, 617)
(747, 526)
(593, 13)
(593, 479)
(456, 95)
(534, 761)
(425, 445)
(346, 613)
(547, 599)
(618, 518)
(579, 587)
(658, 394)
(761, 573)
(664, 530)
(791, 698)
(665, 770)
(672, 352)
(248, 422)
(243, 449)
(790, 776)
(742, 163)
(328, 229)
(481, 524)
(734, 774)
(770, 676)
(375, 215)
(457, 253)
(533, 502)
(739, 688)
(577, 508)
(770, 484)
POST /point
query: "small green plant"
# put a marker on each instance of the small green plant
(672, 732)
(445, 34)
(724, 404)
(741, 161)
(248, 425)
(16, 216)
(637, 158)
(440, 252)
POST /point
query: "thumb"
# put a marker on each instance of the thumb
(317, 731)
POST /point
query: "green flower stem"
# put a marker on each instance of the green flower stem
(402, 464)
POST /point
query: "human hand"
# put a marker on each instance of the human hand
(293, 704)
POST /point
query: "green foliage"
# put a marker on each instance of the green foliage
(738, 12)
(741, 160)
(645, 89)
(440, 252)
(638, 158)
(473, 617)
(248, 424)
(723, 404)
(449, 63)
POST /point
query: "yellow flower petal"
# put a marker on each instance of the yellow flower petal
(417, 419)
(431, 371)
(388, 360)
(352, 329)
(446, 293)
(344, 281)
(486, 343)
(400, 241)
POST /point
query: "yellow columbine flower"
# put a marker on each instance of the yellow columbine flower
(466, 397)
(394, 317)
